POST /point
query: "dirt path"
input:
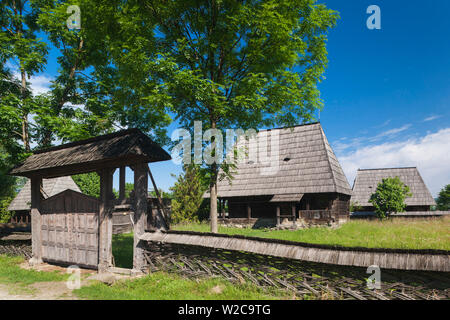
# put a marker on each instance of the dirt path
(38, 291)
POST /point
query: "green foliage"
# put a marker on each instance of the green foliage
(443, 200)
(162, 193)
(13, 275)
(355, 206)
(390, 197)
(187, 195)
(228, 64)
(89, 183)
(8, 186)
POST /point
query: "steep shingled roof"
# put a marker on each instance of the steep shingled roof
(366, 182)
(111, 150)
(307, 164)
(51, 187)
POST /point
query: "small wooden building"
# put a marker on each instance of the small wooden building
(307, 186)
(367, 180)
(21, 205)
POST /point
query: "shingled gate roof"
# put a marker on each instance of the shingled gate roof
(367, 180)
(112, 150)
(50, 187)
(307, 164)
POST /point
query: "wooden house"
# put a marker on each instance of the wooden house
(367, 180)
(307, 187)
(21, 204)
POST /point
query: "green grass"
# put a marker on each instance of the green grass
(163, 286)
(12, 273)
(122, 249)
(396, 233)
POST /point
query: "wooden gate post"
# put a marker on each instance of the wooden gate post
(121, 184)
(105, 219)
(140, 215)
(36, 225)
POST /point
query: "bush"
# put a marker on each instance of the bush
(187, 195)
(390, 197)
(443, 201)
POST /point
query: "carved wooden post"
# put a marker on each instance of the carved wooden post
(249, 212)
(36, 225)
(223, 208)
(278, 215)
(140, 215)
(121, 184)
(294, 214)
(105, 219)
(220, 208)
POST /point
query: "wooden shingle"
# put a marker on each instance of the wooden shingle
(367, 180)
(307, 164)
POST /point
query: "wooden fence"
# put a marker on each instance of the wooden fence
(428, 260)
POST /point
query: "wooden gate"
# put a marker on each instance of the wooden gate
(70, 229)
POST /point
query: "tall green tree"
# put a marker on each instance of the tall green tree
(21, 46)
(228, 64)
(89, 183)
(443, 200)
(187, 195)
(390, 197)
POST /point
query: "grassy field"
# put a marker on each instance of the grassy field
(396, 233)
(163, 286)
(12, 274)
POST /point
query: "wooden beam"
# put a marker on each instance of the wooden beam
(122, 176)
(36, 224)
(294, 213)
(223, 208)
(278, 215)
(105, 219)
(161, 219)
(140, 215)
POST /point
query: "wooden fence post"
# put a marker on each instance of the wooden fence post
(294, 214)
(105, 219)
(121, 184)
(36, 225)
(140, 215)
(278, 215)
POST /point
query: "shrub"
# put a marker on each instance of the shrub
(390, 197)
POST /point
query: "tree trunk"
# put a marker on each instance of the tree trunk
(213, 206)
(213, 192)
(25, 136)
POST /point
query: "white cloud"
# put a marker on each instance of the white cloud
(391, 132)
(431, 118)
(39, 83)
(430, 154)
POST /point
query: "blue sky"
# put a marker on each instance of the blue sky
(386, 92)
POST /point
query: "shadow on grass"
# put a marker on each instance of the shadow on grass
(122, 250)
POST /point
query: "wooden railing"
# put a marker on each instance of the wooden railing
(315, 214)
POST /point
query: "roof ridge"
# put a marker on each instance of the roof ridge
(89, 140)
(373, 169)
(322, 133)
(295, 126)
